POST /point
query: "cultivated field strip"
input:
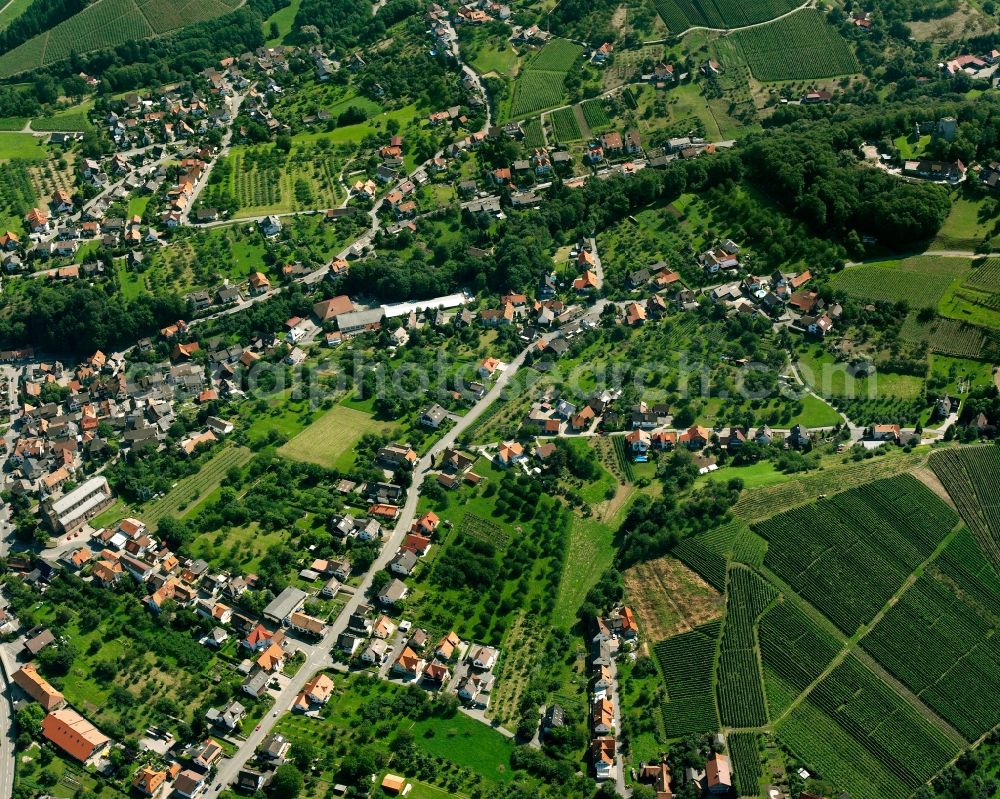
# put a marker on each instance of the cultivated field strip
(708, 553)
(564, 124)
(679, 15)
(794, 648)
(985, 276)
(939, 639)
(108, 23)
(196, 486)
(741, 691)
(541, 83)
(687, 662)
(763, 503)
(816, 739)
(884, 723)
(948, 336)
(872, 539)
(920, 281)
(971, 476)
(745, 749)
(801, 46)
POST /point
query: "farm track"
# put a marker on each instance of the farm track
(926, 476)
(805, 5)
(851, 646)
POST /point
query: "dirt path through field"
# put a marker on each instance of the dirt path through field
(926, 476)
(852, 645)
(581, 120)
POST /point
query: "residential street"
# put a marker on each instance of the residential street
(6, 729)
(234, 104)
(318, 655)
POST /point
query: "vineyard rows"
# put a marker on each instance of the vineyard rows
(795, 648)
(741, 694)
(556, 56)
(594, 114)
(108, 23)
(873, 538)
(624, 459)
(533, 135)
(745, 749)
(168, 15)
(920, 281)
(541, 83)
(885, 724)
(535, 90)
(964, 559)
(708, 553)
(687, 663)
(564, 124)
(678, 15)
(749, 548)
(947, 336)
(938, 641)
(971, 477)
(985, 277)
(802, 46)
(818, 740)
(484, 530)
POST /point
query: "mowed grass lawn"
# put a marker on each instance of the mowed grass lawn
(920, 281)
(816, 413)
(964, 229)
(331, 436)
(830, 378)
(496, 57)
(20, 145)
(753, 476)
(590, 552)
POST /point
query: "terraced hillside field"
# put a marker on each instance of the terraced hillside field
(971, 476)
(108, 23)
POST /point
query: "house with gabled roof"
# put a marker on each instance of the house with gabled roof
(73, 734)
(38, 688)
(695, 437)
(409, 665)
(718, 775)
(393, 592)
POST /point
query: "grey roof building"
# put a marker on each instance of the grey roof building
(285, 604)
